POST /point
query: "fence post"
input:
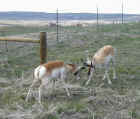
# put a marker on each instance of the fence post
(43, 47)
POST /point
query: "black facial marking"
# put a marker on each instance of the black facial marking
(81, 68)
(87, 65)
(75, 73)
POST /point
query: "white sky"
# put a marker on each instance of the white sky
(105, 6)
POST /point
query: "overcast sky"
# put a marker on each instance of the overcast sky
(105, 6)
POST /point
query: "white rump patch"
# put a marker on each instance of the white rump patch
(39, 72)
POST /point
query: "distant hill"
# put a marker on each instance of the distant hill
(64, 16)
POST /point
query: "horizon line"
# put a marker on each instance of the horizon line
(73, 12)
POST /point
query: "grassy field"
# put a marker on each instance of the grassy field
(121, 100)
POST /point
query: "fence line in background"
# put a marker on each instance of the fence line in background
(29, 40)
(42, 41)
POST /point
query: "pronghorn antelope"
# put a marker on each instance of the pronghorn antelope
(103, 56)
(46, 72)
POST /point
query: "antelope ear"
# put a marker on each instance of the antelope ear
(83, 67)
(75, 73)
(85, 64)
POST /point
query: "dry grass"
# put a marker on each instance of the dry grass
(121, 100)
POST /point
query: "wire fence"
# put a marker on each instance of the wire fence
(68, 39)
(69, 42)
(61, 19)
(19, 58)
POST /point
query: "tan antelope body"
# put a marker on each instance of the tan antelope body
(46, 72)
(103, 56)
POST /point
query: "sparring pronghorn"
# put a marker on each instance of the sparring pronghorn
(46, 72)
(103, 56)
